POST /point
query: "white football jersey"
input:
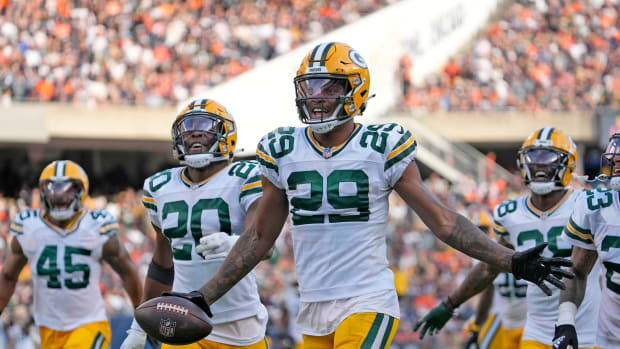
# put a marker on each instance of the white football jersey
(185, 212)
(66, 266)
(510, 301)
(525, 226)
(595, 225)
(338, 201)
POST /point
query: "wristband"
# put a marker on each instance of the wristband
(567, 313)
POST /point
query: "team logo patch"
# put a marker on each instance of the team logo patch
(357, 59)
(166, 327)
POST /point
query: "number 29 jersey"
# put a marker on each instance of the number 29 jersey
(519, 222)
(595, 225)
(65, 266)
(338, 201)
(186, 211)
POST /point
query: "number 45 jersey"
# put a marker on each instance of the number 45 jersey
(595, 225)
(186, 211)
(525, 226)
(65, 266)
(338, 201)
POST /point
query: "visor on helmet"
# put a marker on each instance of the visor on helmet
(322, 98)
(543, 164)
(209, 129)
(610, 160)
(61, 194)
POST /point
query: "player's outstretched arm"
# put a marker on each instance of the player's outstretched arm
(571, 298)
(117, 257)
(252, 245)
(13, 265)
(458, 232)
(477, 280)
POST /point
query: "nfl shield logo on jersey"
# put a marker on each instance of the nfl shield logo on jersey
(166, 327)
(327, 153)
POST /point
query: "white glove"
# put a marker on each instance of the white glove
(216, 245)
(136, 337)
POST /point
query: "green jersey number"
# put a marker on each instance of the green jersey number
(510, 288)
(314, 201)
(47, 265)
(595, 203)
(193, 219)
(506, 208)
(608, 243)
(552, 238)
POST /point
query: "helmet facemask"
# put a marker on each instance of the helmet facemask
(200, 138)
(610, 162)
(62, 198)
(324, 101)
(543, 169)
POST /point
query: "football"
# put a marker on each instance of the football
(173, 320)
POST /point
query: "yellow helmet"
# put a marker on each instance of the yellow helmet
(547, 160)
(204, 132)
(332, 85)
(64, 187)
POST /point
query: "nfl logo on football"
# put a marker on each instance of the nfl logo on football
(166, 327)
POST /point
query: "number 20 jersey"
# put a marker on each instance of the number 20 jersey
(186, 211)
(65, 266)
(338, 201)
(519, 222)
(595, 225)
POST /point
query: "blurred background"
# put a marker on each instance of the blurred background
(100, 81)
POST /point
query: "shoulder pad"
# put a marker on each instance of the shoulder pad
(501, 213)
(244, 169)
(21, 219)
(595, 199)
(157, 181)
(276, 144)
(106, 221)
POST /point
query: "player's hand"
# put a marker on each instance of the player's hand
(136, 338)
(533, 267)
(195, 297)
(434, 321)
(216, 245)
(565, 337)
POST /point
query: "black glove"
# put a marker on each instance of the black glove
(472, 341)
(565, 335)
(195, 297)
(434, 321)
(531, 266)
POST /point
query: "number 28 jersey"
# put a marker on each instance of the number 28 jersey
(338, 201)
(519, 222)
(65, 266)
(595, 225)
(186, 211)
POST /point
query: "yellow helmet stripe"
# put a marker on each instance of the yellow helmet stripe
(60, 168)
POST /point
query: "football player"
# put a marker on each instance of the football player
(64, 244)
(334, 177)
(197, 210)
(547, 161)
(593, 231)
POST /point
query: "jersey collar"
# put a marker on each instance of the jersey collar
(328, 152)
(544, 214)
(188, 182)
(71, 228)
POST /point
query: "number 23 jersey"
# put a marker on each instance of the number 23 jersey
(595, 225)
(65, 266)
(186, 211)
(338, 201)
(519, 222)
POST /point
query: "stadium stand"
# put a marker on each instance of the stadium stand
(540, 55)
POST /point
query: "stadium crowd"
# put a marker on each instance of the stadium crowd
(425, 269)
(150, 52)
(551, 55)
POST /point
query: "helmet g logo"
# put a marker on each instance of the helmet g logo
(357, 59)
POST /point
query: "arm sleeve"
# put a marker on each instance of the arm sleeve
(577, 230)
(267, 164)
(251, 190)
(149, 203)
(401, 152)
